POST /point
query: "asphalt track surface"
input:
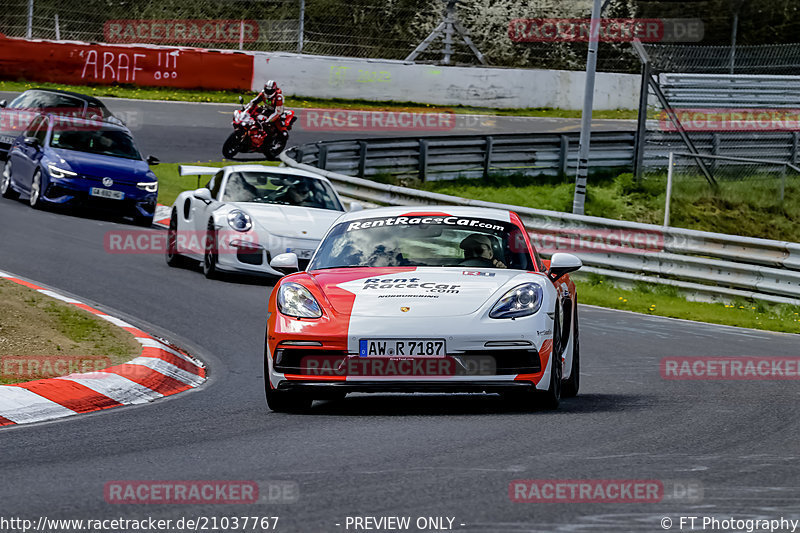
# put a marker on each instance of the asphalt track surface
(179, 132)
(392, 455)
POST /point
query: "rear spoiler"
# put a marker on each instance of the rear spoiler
(194, 170)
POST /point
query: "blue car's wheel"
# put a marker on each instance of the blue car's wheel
(36, 191)
(5, 183)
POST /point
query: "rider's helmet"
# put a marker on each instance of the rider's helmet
(270, 88)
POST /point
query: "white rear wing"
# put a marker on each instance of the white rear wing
(194, 170)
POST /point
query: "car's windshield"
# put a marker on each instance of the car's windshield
(96, 140)
(273, 188)
(425, 240)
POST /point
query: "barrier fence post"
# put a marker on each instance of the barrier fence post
(423, 159)
(563, 156)
(669, 188)
(301, 26)
(362, 158)
(487, 156)
(586, 117)
(241, 35)
(641, 124)
(58, 28)
(322, 158)
(29, 29)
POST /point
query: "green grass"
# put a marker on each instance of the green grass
(193, 95)
(750, 208)
(666, 301)
(170, 184)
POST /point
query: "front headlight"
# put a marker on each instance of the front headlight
(60, 173)
(149, 186)
(523, 300)
(239, 220)
(295, 300)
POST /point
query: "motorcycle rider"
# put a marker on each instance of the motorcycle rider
(272, 96)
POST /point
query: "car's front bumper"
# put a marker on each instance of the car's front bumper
(76, 191)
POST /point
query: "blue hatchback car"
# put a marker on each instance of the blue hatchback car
(70, 161)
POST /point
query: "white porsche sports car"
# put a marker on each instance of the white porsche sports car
(248, 214)
(407, 299)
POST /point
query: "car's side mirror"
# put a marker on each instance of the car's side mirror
(286, 263)
(31, 141)
(356, 206)
(3, 103)
(152, 160)
(204, 195)
(561, 263)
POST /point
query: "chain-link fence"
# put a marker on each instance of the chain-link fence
(392, 29)
(720, 101)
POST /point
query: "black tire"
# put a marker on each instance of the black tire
(174, 259)
(569, 388)
(210, 254)
(6, 190)
(232, 145)
(550, 398)
(35, 199)
(282, 401)
(277, 143)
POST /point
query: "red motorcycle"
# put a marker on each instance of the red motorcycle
(252, 133)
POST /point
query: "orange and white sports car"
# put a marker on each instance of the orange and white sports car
(444, 299)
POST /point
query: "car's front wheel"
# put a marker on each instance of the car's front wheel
(35, 199)
(5, 183)
(284, 401)
(174, 259)
(571, 384)
(211, 254)
(550, 398)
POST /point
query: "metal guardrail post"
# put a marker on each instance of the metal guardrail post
(641, 124)
(322, 158)
(487, 156)
(423, 159)
(714, 150)
(795, 144)
(563, 157)
(362, 158)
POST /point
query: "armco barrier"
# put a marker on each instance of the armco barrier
(431, 158)
(703, 263)
(83, 63)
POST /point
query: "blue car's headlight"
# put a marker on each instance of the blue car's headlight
(239, 220)
(295, 300)
(523, 300)
(149, 186)
(60, 173)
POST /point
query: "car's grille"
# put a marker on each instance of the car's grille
(250, 256)
(506, 362)
(511, 361)
(290, 360)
